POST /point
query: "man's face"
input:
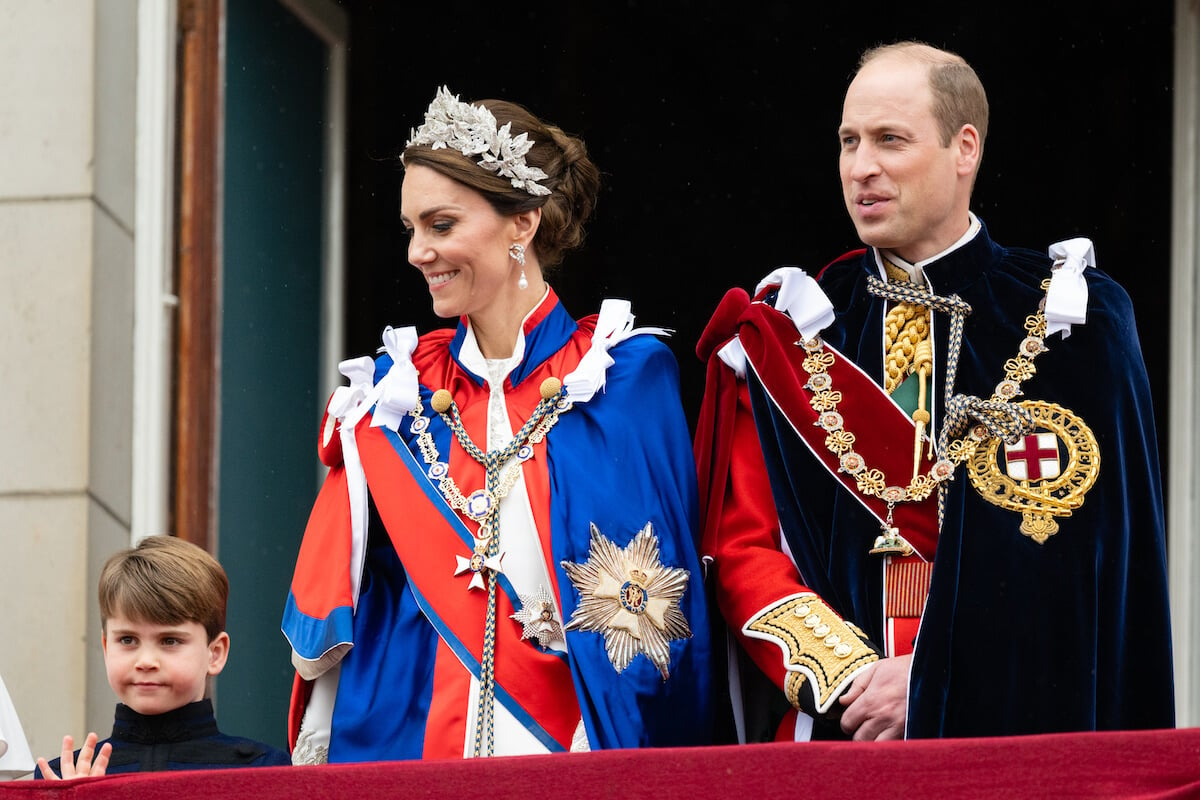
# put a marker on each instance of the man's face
(904, 191)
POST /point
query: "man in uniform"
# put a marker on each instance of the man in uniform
(930, 489)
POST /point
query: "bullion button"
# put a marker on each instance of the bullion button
(441, 401)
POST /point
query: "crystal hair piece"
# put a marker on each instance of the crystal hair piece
(472, 131)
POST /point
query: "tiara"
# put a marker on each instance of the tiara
(472, 131)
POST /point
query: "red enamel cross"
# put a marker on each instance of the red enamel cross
(1031, 451)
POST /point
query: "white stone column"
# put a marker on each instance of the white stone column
(66, 358)
(111, 398)
(1183, 489)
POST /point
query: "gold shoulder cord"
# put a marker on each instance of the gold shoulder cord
(909, 350)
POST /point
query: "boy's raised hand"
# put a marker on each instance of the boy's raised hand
(85, 767)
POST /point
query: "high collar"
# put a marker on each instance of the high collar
(186, 722)
(959, 266)
(543, 332)
(915, 270)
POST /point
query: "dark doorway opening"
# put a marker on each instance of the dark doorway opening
(715, 125)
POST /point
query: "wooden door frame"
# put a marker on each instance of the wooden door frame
(198, 256)
(198, 271)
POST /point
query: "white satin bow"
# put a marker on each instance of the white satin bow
(803, 300)
(397, 390)
(613, 326)
(360, 372)
(1067, 298)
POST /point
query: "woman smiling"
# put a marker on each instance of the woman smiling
(502, 558)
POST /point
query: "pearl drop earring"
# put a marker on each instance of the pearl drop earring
(517, 253)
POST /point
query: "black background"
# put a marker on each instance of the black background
(714, 124)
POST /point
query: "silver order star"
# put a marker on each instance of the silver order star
(631, 597)
(538, 618)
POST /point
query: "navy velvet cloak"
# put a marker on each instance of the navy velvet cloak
(1017, 637)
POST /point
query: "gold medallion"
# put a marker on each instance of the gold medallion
(1033, 479)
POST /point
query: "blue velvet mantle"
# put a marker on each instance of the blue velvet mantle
(1018, 637)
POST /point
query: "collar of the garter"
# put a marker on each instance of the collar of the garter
(957, 267)
(965, 261)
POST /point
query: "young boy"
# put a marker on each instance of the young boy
(162, 612)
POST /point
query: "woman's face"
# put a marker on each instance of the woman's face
(459, 243)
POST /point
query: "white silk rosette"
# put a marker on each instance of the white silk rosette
(1067, 298)
(800, 297)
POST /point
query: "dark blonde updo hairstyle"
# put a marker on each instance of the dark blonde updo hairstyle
(574, 181)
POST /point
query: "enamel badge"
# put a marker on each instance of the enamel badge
(631, 597)
(538, 619)
(1043, 475)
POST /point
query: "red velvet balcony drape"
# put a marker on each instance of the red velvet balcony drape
(1148, 764)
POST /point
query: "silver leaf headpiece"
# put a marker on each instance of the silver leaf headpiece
(472, 131)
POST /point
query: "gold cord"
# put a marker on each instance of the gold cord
(909, 350)
(904, 328)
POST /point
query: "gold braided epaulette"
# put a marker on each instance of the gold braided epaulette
(816, 643)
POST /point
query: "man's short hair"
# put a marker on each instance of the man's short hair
(165, 581)
(958, 95)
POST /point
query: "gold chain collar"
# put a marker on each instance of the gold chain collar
(870, 481)
(481, 505)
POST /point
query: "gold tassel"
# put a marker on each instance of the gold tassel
(923, 361)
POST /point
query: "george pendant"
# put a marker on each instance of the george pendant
(890, 542)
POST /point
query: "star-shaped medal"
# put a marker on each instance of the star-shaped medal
(538, 618)
(630, 597)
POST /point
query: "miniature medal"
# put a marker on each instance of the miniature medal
(538, 619)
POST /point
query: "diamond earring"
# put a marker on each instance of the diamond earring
(517, 254)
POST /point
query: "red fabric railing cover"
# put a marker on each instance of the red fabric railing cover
(1148, 764)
